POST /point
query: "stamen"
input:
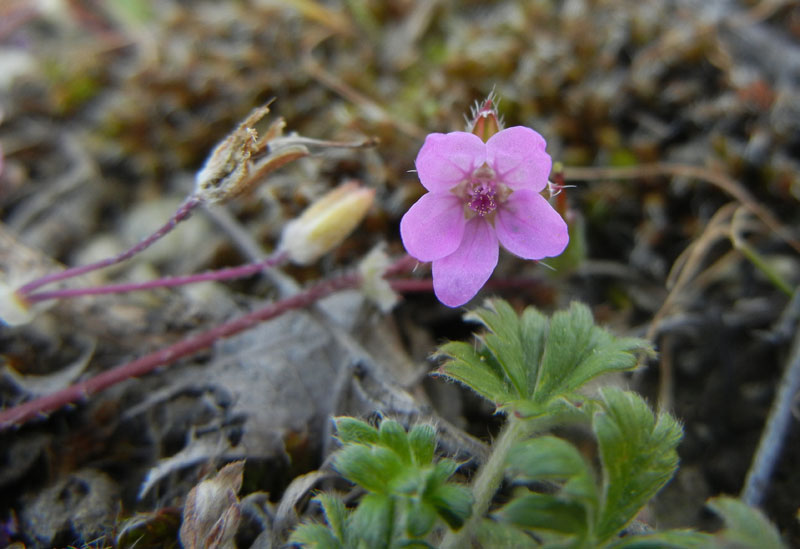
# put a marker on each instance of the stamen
(482, 199)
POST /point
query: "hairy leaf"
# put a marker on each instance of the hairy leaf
(350, 429)
(638, 455)
(373, 520)
(525, 362)
(392, 435)
(505, 342)
(371, 468)
(554, 459)
(577, 351)
(467, 366)
(420, 519)
(315, 536)
(335, 515)
(453, 503)
(745, 526)
(669, 539)
(547, 512)
(422, 439)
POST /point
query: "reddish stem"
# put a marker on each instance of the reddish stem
(49, 403)
(182, 213)
(414, 285)
(411, 285)
(223, 274)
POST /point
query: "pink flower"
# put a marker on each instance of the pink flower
(478, 194)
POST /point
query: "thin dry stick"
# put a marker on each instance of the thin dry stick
(687, 266)
(716, 178)
(779, 421)
(683, 272)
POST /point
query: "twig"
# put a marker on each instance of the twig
(687, 266)
(779, 420)
(41, 406)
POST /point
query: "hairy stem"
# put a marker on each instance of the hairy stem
(223, 274)
(41, 406)
(183, 212)
(488, 480)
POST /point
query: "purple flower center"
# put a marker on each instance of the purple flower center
(481, 191)
(481, 199)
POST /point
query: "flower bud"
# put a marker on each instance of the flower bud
(485, 121)
(326, 223)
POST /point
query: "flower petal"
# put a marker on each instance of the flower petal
(459, 276)
(528, 226)
(518, 157)
(446, 159)
(434, 226)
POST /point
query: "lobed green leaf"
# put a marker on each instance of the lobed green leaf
(638, 452)
(577, 351)
(350, 429)
(526, 360)
(422, 440)
(373, 520)
(335, 515)
(550, 458)
(420, 519)
(504, 340)
(534, 327)
(467, 366)
(745, 526)
(315, 536)
(547, 512)
(453, 503)
(669, 539)
(502, 534)
(393, 436)
(371, 468)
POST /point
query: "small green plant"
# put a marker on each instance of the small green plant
(638, 457)
(535, 370)
(406, 490)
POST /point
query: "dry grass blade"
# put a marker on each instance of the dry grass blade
(715, 178)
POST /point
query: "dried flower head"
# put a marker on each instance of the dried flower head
(211, 514)
(243, 158)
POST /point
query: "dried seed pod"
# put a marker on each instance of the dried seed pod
(211, 514)
(239, 162)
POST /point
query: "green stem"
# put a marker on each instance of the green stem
(762, 265)
(488, 479)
